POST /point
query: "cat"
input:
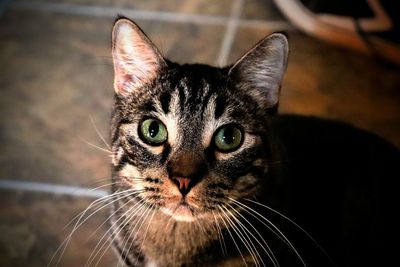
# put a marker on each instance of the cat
(206, 173)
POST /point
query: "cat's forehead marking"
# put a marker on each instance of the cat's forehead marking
(175, 104)
(210, 122)
(168, 111)
(183, 84)
(220, 106)
(165, 100)
(192, 109)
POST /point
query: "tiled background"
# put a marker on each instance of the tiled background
(56, 84)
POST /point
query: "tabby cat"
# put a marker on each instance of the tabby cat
(207, 174)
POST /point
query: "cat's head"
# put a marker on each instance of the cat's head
(188, 138)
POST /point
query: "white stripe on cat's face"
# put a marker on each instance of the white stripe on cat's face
(170, 120)
(116, 156)
(131, 175)
(210, 123)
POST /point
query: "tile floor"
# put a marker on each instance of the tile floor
(56, 84)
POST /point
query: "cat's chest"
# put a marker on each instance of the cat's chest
(168, 243)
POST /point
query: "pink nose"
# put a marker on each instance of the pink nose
(183, 184)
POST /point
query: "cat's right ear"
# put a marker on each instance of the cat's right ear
(260, 71)
(137, 61)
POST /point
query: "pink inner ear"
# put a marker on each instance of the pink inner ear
(134, 72)
(136, 62)
(122, 83)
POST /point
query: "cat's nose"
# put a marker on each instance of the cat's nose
(186, 169)
(183, 184)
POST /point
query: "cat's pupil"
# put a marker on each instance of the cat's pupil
(153, 129)
(228, 135)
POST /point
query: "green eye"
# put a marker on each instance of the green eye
(153, 132)
(228, 138)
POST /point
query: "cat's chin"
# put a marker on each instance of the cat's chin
(180, 212)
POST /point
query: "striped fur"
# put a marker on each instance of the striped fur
(192, 101)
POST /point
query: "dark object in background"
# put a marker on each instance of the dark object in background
(370, 26)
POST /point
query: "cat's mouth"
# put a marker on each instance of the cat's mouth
(181, 210)
(184, 209)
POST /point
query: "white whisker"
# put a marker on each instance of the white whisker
(298, 226)
(95, 146)
(268, 251)
(247, 240)
(295, 224)
(119, 208)
(142, 217)
(99, 202)
(93, 255)
(147, 229)
(233, 239)
(220, 236)
(126, 238)
(98, 132)
(133, 231)
(277, 231)
(61, 249)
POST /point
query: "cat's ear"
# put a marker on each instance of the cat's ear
(136, 60)
(260, 71)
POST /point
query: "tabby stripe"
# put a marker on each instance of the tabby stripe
(165, 153)
(210, 153)
(206, 100)
(123, 161)
(126, 256)
(220, 185)
(115, 136)
(146, 159)
(197, 93)
(165, 100)
(220, 106)
(182, 97)
(149, 106)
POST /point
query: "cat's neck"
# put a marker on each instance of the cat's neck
(171, 242)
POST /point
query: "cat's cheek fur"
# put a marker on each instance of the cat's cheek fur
(129, 175)
(117, 156)
(244, 186)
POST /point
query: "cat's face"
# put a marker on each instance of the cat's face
(187, 138)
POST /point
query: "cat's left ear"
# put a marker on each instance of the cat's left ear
(137, 61)
(260, 71)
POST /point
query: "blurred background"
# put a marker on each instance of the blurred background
(56, 97)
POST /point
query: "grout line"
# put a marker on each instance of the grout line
(230, 33)
(112, 12)
(55, 189)
(103, 11)
(272, 25)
